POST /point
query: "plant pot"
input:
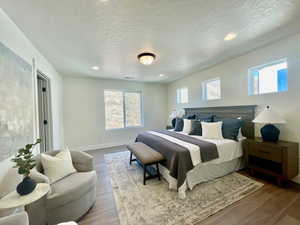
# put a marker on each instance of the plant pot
(26, 186)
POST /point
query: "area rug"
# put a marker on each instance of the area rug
(155, 204)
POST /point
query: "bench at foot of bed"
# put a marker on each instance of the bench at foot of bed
(147, 157)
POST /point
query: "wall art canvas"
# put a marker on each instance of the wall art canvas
(16, 103)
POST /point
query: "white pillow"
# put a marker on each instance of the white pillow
(187, 126)
(57, 167)
(212, 130)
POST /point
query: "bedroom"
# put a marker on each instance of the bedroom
(205, 61)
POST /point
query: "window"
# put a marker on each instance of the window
(182, 95)
(211, 89)
(268, 78)
(122, 109)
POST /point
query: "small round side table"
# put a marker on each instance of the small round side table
(14, 200)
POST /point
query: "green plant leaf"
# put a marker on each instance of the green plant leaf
(29, 146)
(22, 170)
(24, 160)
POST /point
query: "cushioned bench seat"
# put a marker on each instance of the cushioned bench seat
(147, 157)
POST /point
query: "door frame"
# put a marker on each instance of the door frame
(40, 74)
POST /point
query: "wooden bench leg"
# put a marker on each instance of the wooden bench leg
(157, 170)
(144, 166)
(130, 158)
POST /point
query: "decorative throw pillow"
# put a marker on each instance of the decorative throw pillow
(231, 127)
(179, 124)
(196, 128)
(187, 124)
(212, 130)
(190, 117)
(58, 166)
(173, 122)
(205, 118)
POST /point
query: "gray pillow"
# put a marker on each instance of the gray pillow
(196, 128)
(179, 124)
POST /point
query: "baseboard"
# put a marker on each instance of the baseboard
(99, 146)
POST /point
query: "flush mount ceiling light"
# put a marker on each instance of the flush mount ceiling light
(230, 36)
(146, 58)
(95, 68)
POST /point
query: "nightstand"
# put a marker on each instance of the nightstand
(278, 159)
(169, 127)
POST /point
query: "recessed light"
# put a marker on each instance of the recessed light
(129, 78)
(95, 68)
(230, 36)
(161, 75)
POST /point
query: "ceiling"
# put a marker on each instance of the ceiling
(186, 35)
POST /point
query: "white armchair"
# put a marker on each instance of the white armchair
(69, 198)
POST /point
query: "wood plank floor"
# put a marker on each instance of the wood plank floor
(270, 205)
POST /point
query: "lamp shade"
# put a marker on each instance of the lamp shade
(268, 116)
(180, 113)
(172, 114)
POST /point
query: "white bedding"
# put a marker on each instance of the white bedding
(228, 149)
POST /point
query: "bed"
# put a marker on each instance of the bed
(184, 166)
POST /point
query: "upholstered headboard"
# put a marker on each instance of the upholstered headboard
(245, 112)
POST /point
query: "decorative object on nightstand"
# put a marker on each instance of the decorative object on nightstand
(278, 159)
(172, 121)
(269, 132)
(180, 113)
(172, 117)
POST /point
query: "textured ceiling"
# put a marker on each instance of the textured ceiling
(186, 35)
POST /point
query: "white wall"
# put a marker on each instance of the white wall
(234, 85)
(12, 37)
(84, 113)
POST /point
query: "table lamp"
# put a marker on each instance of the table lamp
(269, 132)
(180, 113)
(172, 116)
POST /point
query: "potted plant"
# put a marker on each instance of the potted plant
(25, 162)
